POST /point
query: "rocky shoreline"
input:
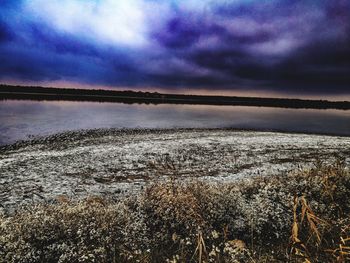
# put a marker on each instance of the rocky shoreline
(114, 162)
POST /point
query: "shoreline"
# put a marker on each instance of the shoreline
(115, 162)
(37, 139)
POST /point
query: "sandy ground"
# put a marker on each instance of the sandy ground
(116, 162)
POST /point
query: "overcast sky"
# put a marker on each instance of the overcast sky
(283, 46)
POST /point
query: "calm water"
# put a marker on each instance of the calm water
(23, 119)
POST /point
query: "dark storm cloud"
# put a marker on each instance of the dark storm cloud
(5, 33)
(60, 43)
(280, 45)
(66, 59)
(285, 47)
(33, 51)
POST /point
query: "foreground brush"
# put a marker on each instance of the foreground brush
(300, 217)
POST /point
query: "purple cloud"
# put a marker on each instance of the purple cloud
(280, 45)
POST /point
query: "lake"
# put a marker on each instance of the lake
(20, 120)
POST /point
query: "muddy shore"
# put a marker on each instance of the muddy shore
(114, 162)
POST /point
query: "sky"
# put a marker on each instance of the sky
(287, 47)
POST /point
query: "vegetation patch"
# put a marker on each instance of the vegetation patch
(300, 217)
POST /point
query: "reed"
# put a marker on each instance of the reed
(300, 217)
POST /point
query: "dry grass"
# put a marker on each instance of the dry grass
(301, 217)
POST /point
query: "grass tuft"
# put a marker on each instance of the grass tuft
(300, 217)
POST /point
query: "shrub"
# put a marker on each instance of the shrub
(300, 217)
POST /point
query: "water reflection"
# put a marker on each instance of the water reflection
(21, 119)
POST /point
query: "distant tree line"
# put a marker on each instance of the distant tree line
(128, 96)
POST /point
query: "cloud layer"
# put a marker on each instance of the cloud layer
(299, 46)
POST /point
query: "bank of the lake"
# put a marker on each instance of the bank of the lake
(114, 163)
